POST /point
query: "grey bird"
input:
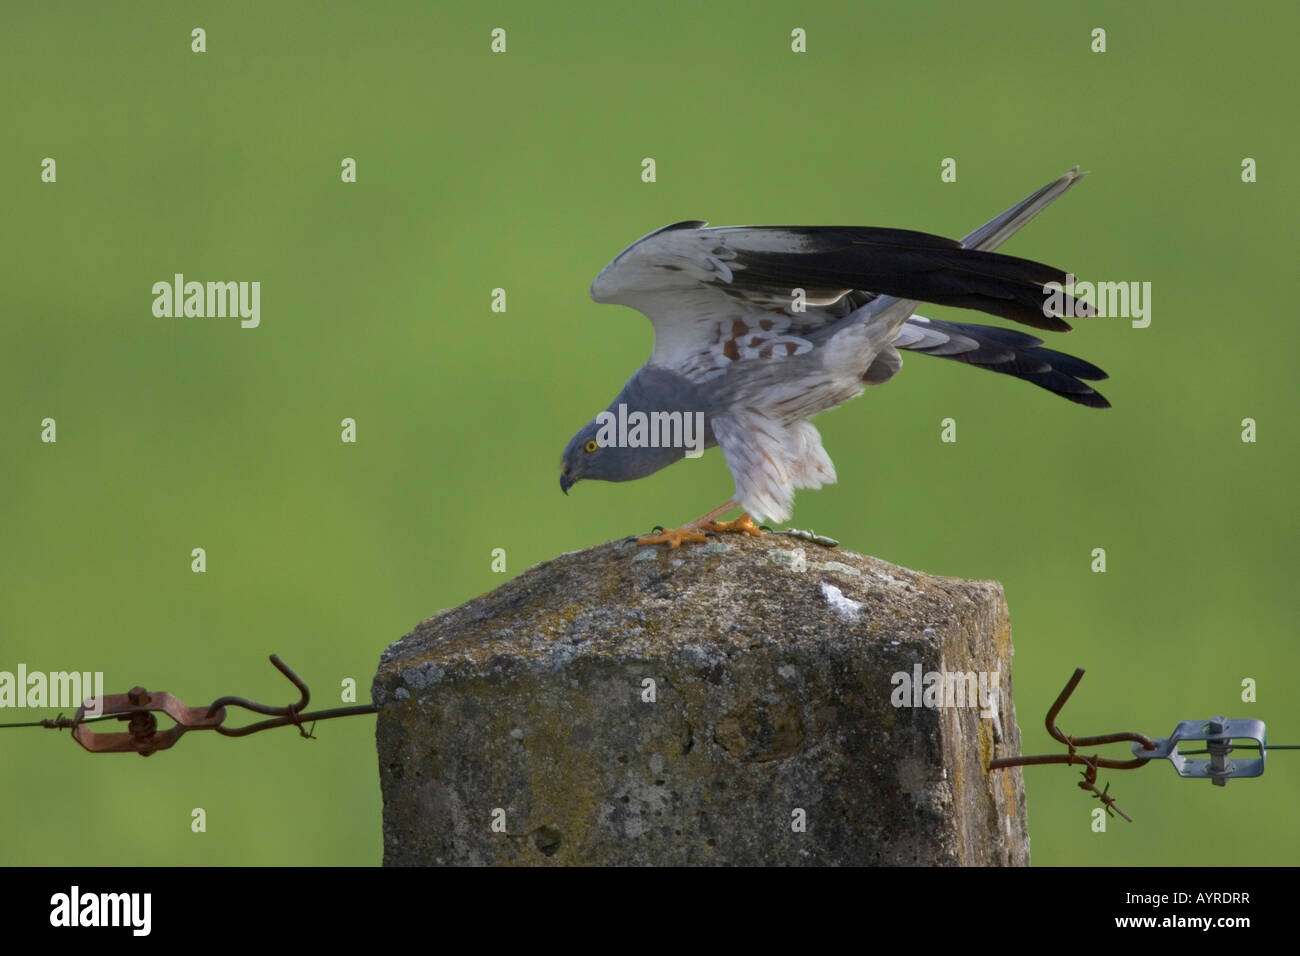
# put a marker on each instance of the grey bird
(759, 328)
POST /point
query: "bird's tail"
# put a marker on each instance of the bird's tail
(1002, 227)
(1007, 351)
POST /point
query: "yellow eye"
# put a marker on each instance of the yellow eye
(590, 446)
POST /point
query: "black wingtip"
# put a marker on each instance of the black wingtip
(1089, 399)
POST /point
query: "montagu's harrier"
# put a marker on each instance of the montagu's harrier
(759, 328)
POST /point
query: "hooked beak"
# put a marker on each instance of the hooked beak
(566, 483)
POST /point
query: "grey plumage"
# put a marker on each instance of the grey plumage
(731, 345)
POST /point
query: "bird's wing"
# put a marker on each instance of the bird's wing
(989, 236)
(877, 319)
(692, 282)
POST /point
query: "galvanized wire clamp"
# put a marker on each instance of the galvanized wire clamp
(1218, 734)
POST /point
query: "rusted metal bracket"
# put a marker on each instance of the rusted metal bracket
(139, 707)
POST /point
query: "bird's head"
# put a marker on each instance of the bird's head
(592, 454)
(586, 457)
(578, 456)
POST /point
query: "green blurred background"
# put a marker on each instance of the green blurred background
(522, 171)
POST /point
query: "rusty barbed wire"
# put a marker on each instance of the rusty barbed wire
(138, 707)
(1217, 732)
(1072, 756)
